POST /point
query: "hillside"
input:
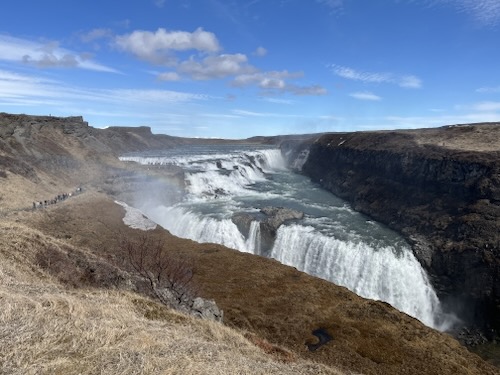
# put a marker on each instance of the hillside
(71, 304)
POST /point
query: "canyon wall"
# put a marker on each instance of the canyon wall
(438, 187)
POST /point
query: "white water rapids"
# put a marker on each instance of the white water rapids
(332, 241)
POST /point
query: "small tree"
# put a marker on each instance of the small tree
(170, 279)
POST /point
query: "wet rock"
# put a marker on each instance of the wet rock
(471, 337)
(243, 220)
(270, 218)
(275, 217)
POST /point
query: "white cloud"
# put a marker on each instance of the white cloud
(278, 101)
(260, 51)
(486, 12)
(96, 34)
(169, 76)
(406, 81)
(350, 73)
(265, 80)
(392, 122)
(486, 106)
(488, 90)
(314, 90)
(46, 55)
(156, 47)
(16, 88)
(219, 66)
(410, 82)
(334, 5)
(159, 3)
(243, 112)
(365, 95)
(150, 96)
(276, 81)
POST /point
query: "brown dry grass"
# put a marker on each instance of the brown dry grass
(280, 305)
(49, 329)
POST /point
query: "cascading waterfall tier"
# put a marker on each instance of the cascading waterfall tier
(332, 241)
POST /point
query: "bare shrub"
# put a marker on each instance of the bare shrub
(170, 279)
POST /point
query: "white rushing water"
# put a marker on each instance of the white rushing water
(332, 241)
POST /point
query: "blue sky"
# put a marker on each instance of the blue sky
(234, 69)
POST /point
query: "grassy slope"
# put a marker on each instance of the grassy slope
(48, 328)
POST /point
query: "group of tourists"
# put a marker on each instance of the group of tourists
(56, 199)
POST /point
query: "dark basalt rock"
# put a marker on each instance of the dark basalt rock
(270, 218)
(243, 220)
(440, 188)
(275, 217)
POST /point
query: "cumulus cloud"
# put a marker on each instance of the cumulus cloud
(406, 81)
(365, 95)
(276, 81)
(219, 66)
(49, 60)
(47, 55)
(161, 48)
(156, 47)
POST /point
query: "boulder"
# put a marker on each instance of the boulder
(275, 217)
(206, 309)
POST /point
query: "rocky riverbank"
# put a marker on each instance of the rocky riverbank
(438, 187)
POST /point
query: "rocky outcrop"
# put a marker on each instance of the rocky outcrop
(270, 219)
(188, 304)
(243, 220)
(438, 187)
(206, 309)
(275, 217)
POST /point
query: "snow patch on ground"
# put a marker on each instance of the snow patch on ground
(134, 218)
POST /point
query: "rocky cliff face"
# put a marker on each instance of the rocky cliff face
(438, 187)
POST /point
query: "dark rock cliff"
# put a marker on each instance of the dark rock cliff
(438, 187)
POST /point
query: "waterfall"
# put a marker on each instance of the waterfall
(335, 244)
(185, 224)
(376, 273)
(253, 241)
